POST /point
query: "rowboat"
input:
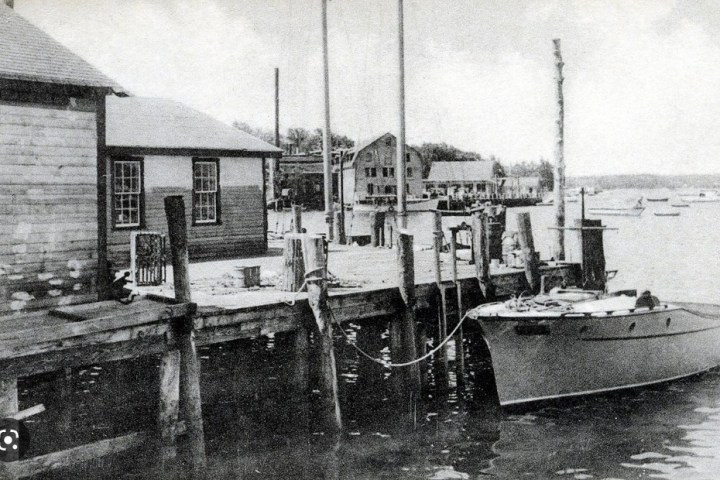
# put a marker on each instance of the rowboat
(578, 342)
(657, 199)
(634, 210)
(666, 214)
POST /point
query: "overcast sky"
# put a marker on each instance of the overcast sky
(642, 86)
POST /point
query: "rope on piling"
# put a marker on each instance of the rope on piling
(304, 284)
(387, 364)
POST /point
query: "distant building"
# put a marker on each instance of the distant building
(520, 187)
(457, 178)
(301, 180)
(370, 174)
(158, 147)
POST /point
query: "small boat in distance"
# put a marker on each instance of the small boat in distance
(634, 210)
(575, 342)
(704, 196)
(658, 199)
(666, 214)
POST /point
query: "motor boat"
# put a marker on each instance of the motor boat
(572, 342)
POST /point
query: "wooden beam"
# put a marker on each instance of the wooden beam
(84, 453)
(177, 232)
(169, 400)
(103, 270)
(28, 412)
(8, 395)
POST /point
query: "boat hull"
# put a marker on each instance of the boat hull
(551, 358)
(623, 212)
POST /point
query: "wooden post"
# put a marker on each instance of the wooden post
(438, 240)
(316, 267)
(593, 254)
(296, 218)
(495, 231)
(326, 135)
(373, 231)
(527, 244)
(169, 404)
(177, 233)
(482, 256)
(559, 170)
(402, 329)
(189, 397)
(380, 228)
(459, 349)
(8, 395)
(400, 166)
(293, 266)
(340, 214)
(103, 272)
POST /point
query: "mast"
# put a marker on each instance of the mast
(327, 144)
(559, 170)
(400, 167)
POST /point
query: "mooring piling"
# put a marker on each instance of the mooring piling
(190, 404)
(458, 337)
(293, 275)
(316, 280)
(296, 218)
(482, 255)
(527, 244)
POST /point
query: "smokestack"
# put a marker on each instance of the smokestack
(10, 3)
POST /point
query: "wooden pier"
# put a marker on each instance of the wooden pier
(173, 326)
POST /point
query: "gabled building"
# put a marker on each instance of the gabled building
(51, 114)
(157, 147)
(469, 177)
(370, 174)
(301, 180)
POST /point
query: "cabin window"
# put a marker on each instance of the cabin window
(127, 192)
(206, 191)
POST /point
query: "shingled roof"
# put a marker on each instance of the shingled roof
(29, 54)
(164, 124)
(468, 171)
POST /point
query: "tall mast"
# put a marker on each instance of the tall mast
(400, 167)
(559, 170)
(327, 144)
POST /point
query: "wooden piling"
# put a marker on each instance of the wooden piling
(593, 254)
(339, 227)
(527, 244)
(437, 246)
(293, 266)
(316, 268)
(8, 395)
(402, 329)
(374, 241)
(495, 231)
(458, 337)
(189, 388)
(296, 218)
(559, 168)
(482, 256)
(169, 404)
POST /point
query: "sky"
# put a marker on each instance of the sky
(642, 77)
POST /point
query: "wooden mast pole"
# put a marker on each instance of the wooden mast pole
(400, 160)
(327, 143)
(559, 170)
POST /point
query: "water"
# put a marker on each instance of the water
(256, 429)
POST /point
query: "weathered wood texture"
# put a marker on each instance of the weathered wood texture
(559, 167)
(293, 266)
(177, 231)
(402, 330)
(532, 269)
(482, 256)
(48, 207)
(593, 254)
(316, 268)
(241, 230)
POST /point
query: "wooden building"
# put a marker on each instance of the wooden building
(301, 180)
(158, 147)
(462, 178)
(370, 174)
(51, 102)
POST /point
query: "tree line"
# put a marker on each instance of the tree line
(304, 141)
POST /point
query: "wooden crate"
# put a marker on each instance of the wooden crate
(249, 276)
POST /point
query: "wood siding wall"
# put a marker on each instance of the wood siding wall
(48, 206)
(379, 155)
(242, 228)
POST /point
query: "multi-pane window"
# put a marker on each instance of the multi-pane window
(205, 191)
(127, 191)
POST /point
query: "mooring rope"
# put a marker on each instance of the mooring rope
(397, 365)
(304, 284)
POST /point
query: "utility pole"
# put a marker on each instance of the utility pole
(559, 170)
(327, 137)
(400, 167)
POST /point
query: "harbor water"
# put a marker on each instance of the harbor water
(255, 428)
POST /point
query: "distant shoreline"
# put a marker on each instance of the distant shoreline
(645, 181)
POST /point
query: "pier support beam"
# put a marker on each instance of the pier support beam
(402, 328)
(316, 267)
(527, 244)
